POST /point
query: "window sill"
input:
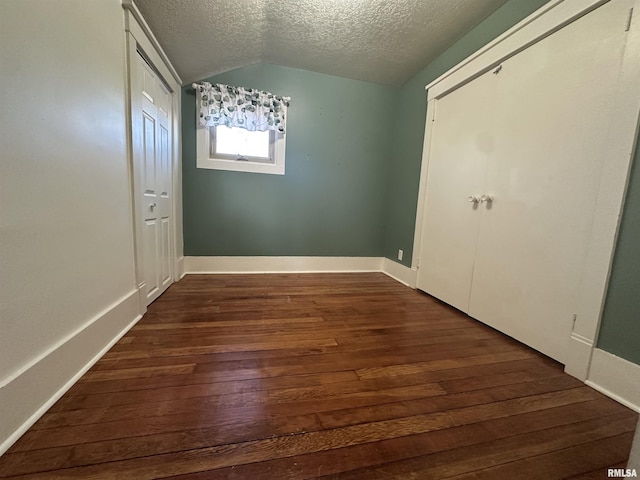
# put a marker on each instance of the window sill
(240, 166)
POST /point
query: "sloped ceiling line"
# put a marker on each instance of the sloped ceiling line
(380, 41)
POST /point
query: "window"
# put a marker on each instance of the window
(240, 144)
(239, 150)
(240, 129)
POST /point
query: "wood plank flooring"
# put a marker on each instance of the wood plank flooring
(349, 376)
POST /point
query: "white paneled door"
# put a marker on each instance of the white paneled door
(152, 144)
(528, 138)
(462, 140)
(551, 119)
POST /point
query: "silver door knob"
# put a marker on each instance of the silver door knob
(473, 199)
(486, 198)
(152, 206)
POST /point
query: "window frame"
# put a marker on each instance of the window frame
(205, 159)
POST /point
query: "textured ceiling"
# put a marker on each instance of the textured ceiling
(381, 41)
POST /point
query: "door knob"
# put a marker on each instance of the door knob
(486, 198)
(473, 199)
(152, 206)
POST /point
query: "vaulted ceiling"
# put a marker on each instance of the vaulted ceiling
(381, 41)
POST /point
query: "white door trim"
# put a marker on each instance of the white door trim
(136, 24)
(541, 23)
(621, 139)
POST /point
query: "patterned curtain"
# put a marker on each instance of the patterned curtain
(240, 107)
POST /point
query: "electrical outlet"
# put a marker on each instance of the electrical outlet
(400, 253)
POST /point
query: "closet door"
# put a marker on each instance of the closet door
(151, 128)
(552, 111)
(462, 140)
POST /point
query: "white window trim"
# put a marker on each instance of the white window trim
(204, 159)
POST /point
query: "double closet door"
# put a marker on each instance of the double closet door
(515, 162)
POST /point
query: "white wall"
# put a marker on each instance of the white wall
(66, 241)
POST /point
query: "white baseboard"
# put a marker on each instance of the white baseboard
(616, 378)
(281, 264)
(222, 265)
(400, 273)
(28, 394)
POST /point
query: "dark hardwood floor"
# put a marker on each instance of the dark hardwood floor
(349, 376)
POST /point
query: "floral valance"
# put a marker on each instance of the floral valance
(240, 107)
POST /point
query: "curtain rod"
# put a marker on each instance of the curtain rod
(287, 99)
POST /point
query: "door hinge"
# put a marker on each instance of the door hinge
(628, 27)
(573, 321)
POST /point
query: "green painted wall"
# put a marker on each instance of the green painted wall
(620, 328)
(331, 200)
(409, 127)
(351, 185)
